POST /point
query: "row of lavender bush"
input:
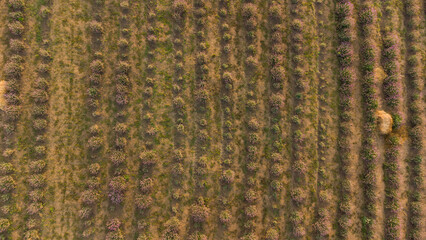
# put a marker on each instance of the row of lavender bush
(90, 197)
(148, 156)
(298, 192)
(344, 29)
(12, 73)
(173, 225)
(227, 106)
(199, 211)
(415, 83)
(117, 184)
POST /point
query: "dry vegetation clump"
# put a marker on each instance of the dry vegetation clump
(43, 69)
(89, 197)
(172, 229)
(143, 202)
(225, 217)
(151, 39)
(114, 232)
(179, 8)
(125, 6)
(37, 166)
(97, 67)
(12, 113)
(123, 67)
(15, 5)
(13, 70)
(197, 236)
(7, 184)
(322, 226)
(95, 27)
(123, 44)
(6, 169)
(16, 29)
(16, 46)
(199, 213)
(120, 143)
(227, 177)
(15, 16)
(36, 181)
(272, 234)
(147, 160)
(4, 225)
(94, 169)
(34, 209)
(12, 99)
(146, 185)
(116, 186)
(12, 86)
(40, 96)
(85, 213)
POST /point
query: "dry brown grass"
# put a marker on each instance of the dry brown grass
(2, 92)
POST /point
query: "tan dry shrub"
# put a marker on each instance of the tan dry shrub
(16, 5)
(13, 69)
(3, 85)
(16, 46)
(44, 12)
(6, 169)
(16, 28)
(199, 214)
(179, 8)
(95, 27)
(4, 225)
(385, 122)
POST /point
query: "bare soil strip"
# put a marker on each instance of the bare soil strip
(66, 121)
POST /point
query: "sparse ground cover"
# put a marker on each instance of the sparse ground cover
(196, 119)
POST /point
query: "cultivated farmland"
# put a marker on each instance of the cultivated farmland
(212, 119)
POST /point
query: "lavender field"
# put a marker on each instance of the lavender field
(212, 119)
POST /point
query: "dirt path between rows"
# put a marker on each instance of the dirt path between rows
(66, 120)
